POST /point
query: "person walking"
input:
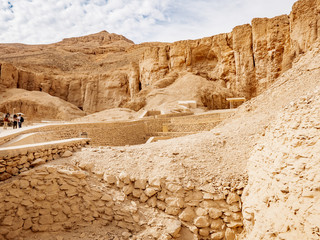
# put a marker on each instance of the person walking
(15, 121)
(20, 120)
(6, 121)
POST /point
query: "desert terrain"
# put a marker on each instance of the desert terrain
(138, 141)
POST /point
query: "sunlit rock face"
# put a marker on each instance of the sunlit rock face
(103, 70)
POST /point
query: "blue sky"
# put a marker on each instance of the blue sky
(49, 21)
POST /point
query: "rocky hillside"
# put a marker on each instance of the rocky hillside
(104, 70)
(272, 141)
(282, 198)
(37, 105)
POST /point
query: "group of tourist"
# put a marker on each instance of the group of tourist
(17, 121)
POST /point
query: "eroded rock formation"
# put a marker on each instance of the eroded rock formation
(37, 105)
(103, 70)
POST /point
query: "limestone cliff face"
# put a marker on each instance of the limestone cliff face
(304, 24)
(103, 70)
(247, 60)
(9, 75)
(244, 63)
(271, 49)
(37, 105)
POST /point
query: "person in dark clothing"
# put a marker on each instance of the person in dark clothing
(15, 121)
(20, 120)
(6, 121)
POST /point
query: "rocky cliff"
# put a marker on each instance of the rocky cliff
(103, 70)
(281, 200)
(37, 105)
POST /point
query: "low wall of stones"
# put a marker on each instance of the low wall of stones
(16, 160)
(173, 115)
(192, 127)
(53, 198)
(207, 214)
(101, 134)
(155, 125)
(123, 133)
(8, 138)
(217, 115)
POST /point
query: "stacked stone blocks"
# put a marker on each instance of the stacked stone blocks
(57, 198)
(16, 160)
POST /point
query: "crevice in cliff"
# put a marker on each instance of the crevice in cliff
(140, 86)
(253, 60)
(17, 81)
(229, 41)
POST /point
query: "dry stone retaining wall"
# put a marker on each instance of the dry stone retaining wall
(123, 133)
(16, 160)
(191, 127)
(53, 198)
(207, 214)
(155, 125)
(8, 138)
(217, 115)
(101, 134)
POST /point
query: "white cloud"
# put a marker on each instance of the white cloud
(196, 19)
(38, 21)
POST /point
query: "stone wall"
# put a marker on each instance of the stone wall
(101, 134)
(60, 138)
(207, 214)
(124, 133)
(16, 160)
(9, 137)
(57, 198)
(197, 123)
(155, 125)
(191, 127)
(217, 115)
